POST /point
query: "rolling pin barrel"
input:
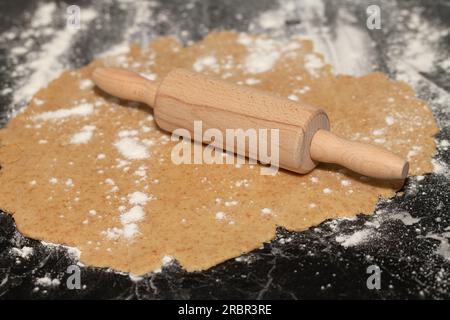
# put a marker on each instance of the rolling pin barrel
(183, 97)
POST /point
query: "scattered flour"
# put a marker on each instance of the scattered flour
(24, 253)
(127, 133)
(132, 149)
(231, 203)
(263, 54)
(313, 64)
(138, 198)
(109, 181)
(389, 120)
(45, 65)
(220, 215)
(83, 136)
(443, 249)
(47, 281)
(271, 19)
(252, 81)
(130, 230)
(208, 62)
(149, 76)
(43, 15)
(86, 84)
(354, 239)
(135, 214)
(444, 144)
(130, 218)
(346, 183)
(327, 190)
(166, 260)
(83, 109)
(413, 152)
(406, 218)
(141, 171)
(378, 132)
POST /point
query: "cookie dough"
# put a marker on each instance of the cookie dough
(84, 169)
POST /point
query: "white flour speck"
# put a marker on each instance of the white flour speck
(263, 54)
(271, 20)
(166, 260)
(231, 203)
(208, 62)
(83, 136)
(138, 198)
(378, 132)
(69, 182)
(83, 109)
(313, 64)
(132, 149)
(135, 214)
(354, 239)
(346, 183)
(130, 230)
(252, 81)
(220, 215)
(149, 76)
(24, 253)
(109, 181)
(86, 84)
(389, 120)
(47, 281)
(405, 217)
(127, 133)
(327, 191)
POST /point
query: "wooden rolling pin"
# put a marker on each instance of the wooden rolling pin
(183, 97)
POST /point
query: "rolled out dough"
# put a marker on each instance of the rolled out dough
(83, 169)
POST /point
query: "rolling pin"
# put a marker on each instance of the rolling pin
(183, 97)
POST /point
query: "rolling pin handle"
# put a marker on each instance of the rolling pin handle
(126, 85)
(362, 158)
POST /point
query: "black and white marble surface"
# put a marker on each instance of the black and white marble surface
(408, 234)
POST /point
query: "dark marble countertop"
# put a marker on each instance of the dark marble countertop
(409, 234)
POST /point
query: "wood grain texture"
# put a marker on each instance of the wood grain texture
(363, 158)
(184, 97)
(125, 85)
